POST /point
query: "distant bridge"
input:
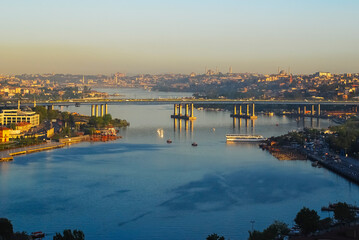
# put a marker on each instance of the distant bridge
(99, 106)
(186, 100)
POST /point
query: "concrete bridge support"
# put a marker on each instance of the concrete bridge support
(248, 114)
(50, 107)
(101, 110)
(96, 110)
(92, 110)
(318, 111)
(188, 115)
(175, 107)
(304, 110)
(106, 110)
(312, 111)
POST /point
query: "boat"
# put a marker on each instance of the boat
(169, 141)
(194, 144)
(315, 164)
(244, 138)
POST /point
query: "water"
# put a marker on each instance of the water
(139, 187)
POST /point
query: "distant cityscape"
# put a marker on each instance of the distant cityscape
(210, 84)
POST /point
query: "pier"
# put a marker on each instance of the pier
(177, 111)
(247, 115)
(98, 110)
(311, 113)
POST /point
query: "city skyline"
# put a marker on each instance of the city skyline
(156, 37)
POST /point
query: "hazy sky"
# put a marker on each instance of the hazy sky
(181, 36)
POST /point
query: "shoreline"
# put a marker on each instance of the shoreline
(293, 154)
(8, 155)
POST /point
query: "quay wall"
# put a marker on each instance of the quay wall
(7, 155)
(336, 168)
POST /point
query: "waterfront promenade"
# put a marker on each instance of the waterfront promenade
(7, 155)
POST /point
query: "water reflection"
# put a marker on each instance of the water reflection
(180, 124)
(249, 124)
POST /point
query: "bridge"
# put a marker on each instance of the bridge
(188, 100)
(99, 106)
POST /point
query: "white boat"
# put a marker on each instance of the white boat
(244, 138)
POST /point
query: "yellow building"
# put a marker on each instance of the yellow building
(9, 116)
(4, 134)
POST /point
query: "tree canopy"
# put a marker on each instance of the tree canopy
(6, 229)
(343, 213)
(70, 235)
(307, 220)
(215, 236)
(276, 231)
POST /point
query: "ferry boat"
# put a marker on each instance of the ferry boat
(244, 138)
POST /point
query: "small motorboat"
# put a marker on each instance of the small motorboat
(169, 141)
(194, 144)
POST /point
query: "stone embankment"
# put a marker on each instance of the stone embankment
(7, 155)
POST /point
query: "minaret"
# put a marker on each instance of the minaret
(230, 70)
(83, 79)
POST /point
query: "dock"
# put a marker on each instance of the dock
(8, 155)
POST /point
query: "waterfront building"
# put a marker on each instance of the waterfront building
(9, 116)
(4, 134)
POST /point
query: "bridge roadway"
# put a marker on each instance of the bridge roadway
(185, 100)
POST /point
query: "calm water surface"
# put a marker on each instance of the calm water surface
(139, 187)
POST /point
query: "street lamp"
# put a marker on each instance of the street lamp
(252, 222)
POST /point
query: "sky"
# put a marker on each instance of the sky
(178, 36)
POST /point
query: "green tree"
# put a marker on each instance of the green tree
(70, 235)
(42, 111)
(325, 223)
(67, 131)
(107, 119)
(6, 229)
(65, 116)
(276, 231)
(52, 114)
(214, 236)
(20, 236)
(13, 126)
(343, 213)
(307, 220)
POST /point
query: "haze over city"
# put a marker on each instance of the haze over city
(89, 37)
